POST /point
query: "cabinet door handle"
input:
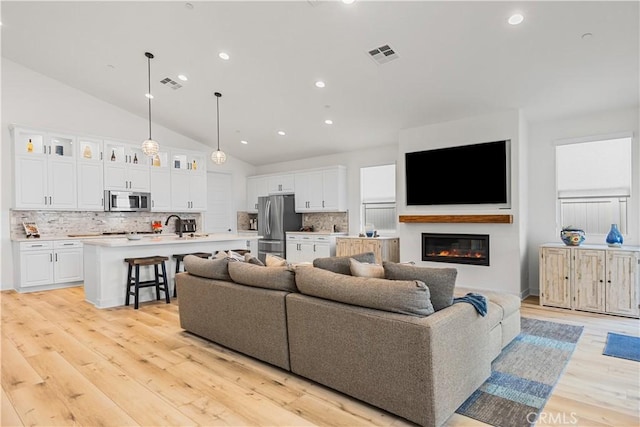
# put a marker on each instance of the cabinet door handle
(45, 200)
(102, 202)
(67, 244)
(50, 258)
(101, 155)
(50, 200)
(56, 257)
(153, 203)
(37, 246)
(323, 203)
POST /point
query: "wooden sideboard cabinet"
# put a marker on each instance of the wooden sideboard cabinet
(385, 248)
(590, 278)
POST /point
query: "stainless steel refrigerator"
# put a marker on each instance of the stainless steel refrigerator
(276, 215)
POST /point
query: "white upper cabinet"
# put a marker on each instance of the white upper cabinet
(256, 187)
(188, 181)
(281, 184)
(90, 176)
(45, 170)
(126, 167)
(321, 190)
(160, 182)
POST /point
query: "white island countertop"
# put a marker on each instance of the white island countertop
(105, 272)
(156, 240)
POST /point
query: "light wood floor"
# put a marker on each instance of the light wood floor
(66, 363)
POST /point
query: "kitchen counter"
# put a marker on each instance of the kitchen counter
(369, 238)
(317, 233)
(105, 272)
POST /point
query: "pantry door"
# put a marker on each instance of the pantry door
(218, 217)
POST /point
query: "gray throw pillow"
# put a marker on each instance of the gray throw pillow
(397, 296)
(440, 281)
(341, 264)
(278, 278)
(216, 268)
(252, 260)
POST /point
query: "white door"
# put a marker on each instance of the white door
(62, 184)
(68, 265)
(90, 188)
(218, 216)
(31, 182)
(36, 268)
(160, 190)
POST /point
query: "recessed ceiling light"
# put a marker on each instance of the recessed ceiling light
(188, 5)
(587, 36)
(328, 122)
(244, 142)
(148, 95)
(516, 19)
(281, 132)
(111, 66)
(348, 1)
(224, 55)
(320, 84)
(183, 77)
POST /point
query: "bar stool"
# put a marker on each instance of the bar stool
(179, 259)
(155, 261)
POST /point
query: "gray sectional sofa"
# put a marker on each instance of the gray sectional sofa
(378, 340)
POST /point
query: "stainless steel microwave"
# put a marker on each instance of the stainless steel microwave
(126, 201)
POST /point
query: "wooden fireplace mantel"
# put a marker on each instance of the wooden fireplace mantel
(473, 219)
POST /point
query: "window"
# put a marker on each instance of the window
(378, 194)
(593, 182)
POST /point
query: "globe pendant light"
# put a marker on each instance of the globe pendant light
(218, 157)
(149, 146)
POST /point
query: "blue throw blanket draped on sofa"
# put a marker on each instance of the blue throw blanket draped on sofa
(479, 302)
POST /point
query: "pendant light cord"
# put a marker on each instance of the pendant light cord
(218, 95)
(149, 80)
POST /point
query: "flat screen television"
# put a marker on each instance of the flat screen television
(462, 175)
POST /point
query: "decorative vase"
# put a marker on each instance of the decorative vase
(572, 236)
(614, 238)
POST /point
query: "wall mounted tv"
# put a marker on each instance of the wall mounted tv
(462, 175)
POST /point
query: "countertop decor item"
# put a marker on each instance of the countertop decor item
(31, 229)
(149, 146)
(134, 236)
(218, 157)
(614, 238)
(572, 236)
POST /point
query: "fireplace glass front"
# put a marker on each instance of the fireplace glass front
(456, 248)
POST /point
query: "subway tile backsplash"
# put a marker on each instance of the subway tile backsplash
(61, 223)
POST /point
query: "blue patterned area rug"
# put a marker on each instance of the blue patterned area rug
(622, 346)
(524, 375)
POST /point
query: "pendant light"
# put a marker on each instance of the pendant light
(218, 157)
(149, 146)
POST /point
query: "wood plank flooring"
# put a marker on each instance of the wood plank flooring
(64, 362)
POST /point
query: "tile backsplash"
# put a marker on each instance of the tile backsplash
(320, 221)
(324, 221)
(61, 223)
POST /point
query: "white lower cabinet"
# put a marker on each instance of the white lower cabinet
(45, 264)
(598, 279)
(307, 247)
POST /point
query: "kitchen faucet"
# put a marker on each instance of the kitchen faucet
(178, 225)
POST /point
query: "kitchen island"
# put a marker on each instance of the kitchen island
(105, 272)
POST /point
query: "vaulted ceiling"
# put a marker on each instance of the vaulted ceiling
(454, 59)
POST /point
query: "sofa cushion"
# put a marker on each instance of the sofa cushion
(364, 269)
(216, 268)
(279, 278)
(341, 264)
(398, 296)
(441, 281)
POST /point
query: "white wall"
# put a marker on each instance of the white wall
(34, 100)
(542, 222)
(354, 160)
(506, 268)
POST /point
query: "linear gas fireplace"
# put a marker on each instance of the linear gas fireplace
(456, 248)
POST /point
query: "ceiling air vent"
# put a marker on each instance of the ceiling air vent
(171, 83)
(383, 54)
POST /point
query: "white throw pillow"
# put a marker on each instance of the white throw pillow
(275, 261)
(363, 269)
